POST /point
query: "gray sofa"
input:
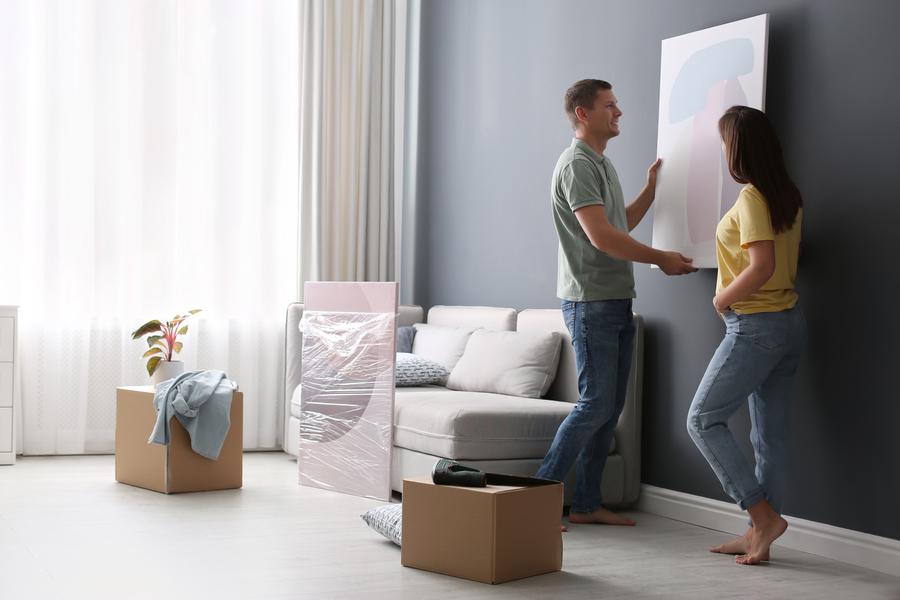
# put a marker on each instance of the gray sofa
(492, 432)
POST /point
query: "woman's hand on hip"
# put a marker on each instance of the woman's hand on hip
(719, 308)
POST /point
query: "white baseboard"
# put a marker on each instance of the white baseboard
(853, 547)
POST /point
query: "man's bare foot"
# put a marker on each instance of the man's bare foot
(601, 516)
(764, 533)
(563, 528)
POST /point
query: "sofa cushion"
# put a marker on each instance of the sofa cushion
(473, 317)
(415, 370)
(565, 385)
(507, 362)
(425, 420)
(473, 425)
(444, 345)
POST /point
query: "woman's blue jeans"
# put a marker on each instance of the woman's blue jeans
(756, 362)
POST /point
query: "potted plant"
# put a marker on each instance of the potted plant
(163, 345)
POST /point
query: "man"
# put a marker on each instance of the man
(596, 286)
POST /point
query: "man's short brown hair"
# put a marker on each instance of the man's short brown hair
(583, 93)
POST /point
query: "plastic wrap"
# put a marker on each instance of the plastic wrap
(347, 401)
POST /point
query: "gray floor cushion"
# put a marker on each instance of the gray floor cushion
(386, 520)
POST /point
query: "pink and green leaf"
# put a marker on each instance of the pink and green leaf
(153, 364)
(152, 351)
(148, 327)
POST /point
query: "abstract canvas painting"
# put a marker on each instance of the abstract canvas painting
(702, 74)
(347, 387)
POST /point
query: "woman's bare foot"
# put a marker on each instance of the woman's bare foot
(768, 526)
(563, 528)
(739, 545)
(601, 516)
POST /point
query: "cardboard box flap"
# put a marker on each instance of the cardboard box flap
(517, 480)
(502, 483)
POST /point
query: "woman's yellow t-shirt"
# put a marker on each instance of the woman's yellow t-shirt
(748, 221)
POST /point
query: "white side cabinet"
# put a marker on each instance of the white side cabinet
(8, 383)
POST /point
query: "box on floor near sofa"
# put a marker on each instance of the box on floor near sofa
(175, 467)
(492, 534)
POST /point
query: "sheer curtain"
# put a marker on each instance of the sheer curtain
(358, 90)
(148, 165)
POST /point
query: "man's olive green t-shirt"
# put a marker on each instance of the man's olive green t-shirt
(584, 177)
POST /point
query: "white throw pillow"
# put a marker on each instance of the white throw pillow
(514, 363)
(443, 345)
(418, 370)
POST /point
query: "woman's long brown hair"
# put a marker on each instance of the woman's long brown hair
(754, 156)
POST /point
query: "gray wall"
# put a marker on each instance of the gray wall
(493, 76)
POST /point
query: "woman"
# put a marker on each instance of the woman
(757, 243)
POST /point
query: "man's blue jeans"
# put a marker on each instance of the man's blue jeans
(756, 361)
(603, 336)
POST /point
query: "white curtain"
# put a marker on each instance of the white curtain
(358, 87)
(148, 165)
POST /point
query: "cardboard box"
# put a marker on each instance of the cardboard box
(176, 467)
(491, 534)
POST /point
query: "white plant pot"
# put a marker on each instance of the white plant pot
(167, 369)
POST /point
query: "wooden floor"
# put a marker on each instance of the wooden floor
(68, 530)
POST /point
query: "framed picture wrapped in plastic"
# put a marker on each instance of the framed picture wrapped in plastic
(347, 387)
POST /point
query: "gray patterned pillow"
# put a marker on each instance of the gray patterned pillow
(415, 370)
(386, 520)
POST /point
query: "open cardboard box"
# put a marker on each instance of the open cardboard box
(491, 534)
(176, 467)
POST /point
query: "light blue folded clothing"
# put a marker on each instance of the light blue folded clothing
(201, 401)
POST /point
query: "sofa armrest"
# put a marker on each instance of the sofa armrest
(293, 347)
(628, 429)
